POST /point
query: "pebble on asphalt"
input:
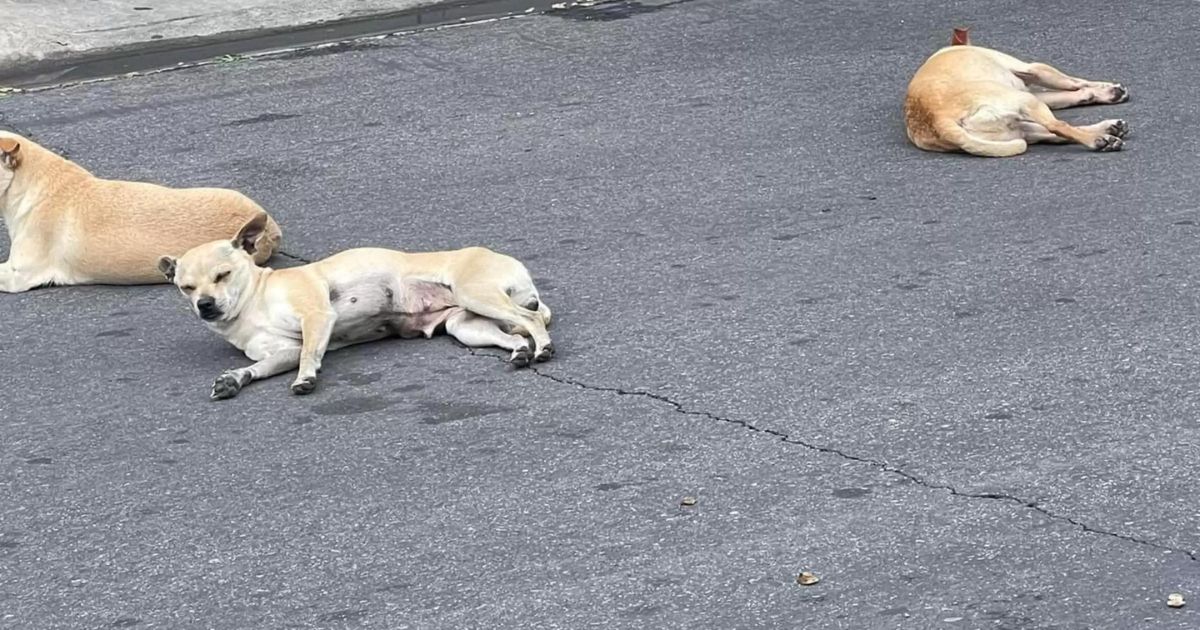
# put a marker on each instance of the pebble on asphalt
(688, 501)
(1175, 600)
(806, 578)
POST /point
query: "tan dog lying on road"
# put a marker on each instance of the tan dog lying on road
(284, 318)
(67, 226)
(973, 99)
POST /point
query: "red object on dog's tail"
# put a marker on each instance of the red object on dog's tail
(960, 37)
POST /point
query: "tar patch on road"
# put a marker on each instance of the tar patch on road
(442, 413)
(608, 11)
(260, 119)
(351, 405)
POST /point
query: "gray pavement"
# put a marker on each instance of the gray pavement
(958, 390)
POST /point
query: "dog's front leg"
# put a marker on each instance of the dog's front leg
(230, 382)
(315, 328)
(13, 280)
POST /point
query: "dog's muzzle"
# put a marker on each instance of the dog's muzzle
(207, 307)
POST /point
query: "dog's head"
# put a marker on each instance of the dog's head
(10, 158)
(216, 276)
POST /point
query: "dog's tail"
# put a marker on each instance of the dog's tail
(953, 133)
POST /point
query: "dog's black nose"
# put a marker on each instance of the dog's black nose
(208, 308)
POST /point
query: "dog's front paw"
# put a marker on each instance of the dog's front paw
(1107, 143)
(546, 352)
(1118, 128)
(304, 385)
(227, 385)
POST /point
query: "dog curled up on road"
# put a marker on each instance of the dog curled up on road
(978, 100)
(284, 318)
(66, 226)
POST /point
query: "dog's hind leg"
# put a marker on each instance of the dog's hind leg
(1062, 99)
(527, 295)
(230, 382)
(491, 302)
(479, 332)
(1034, 132)
(1048, 76)
(1033, 110)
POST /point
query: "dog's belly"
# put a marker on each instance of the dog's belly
(382, 306)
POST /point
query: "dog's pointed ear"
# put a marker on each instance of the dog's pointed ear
(248, 235)
(166, 265)
(961, 37)
(9, 148)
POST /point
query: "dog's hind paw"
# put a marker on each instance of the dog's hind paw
(227, 385)
(1107, 143)
(1118, 128)
(521, 357)
(546, 352)
(1117, 93)
(304, 385)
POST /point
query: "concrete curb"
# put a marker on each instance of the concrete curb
(220, 34)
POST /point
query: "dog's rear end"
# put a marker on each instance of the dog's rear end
(960, 86)
(977, 100)
(124, 239)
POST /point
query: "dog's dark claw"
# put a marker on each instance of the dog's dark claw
(546, 353)
(304, 386)
(1118, 128)
(227, 385)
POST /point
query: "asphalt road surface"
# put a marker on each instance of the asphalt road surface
(960, 391)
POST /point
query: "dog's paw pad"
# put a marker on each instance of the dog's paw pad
(1107, 143)
(1118, 128)
(304, 385)
(545, 354)
(227, 385)
(521, 357)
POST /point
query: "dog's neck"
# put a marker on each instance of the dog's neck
(40, 175)
(252, 295)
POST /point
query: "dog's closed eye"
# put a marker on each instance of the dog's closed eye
(221, 276)
(187, 289)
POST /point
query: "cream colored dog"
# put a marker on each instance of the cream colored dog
(67, 226)
(979, 100)
(284, 318)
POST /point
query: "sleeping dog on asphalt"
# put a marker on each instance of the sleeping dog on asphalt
(284, 318)
(67, 226)
(973, 99)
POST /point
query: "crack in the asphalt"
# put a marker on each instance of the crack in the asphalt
(878, 464)
(870, 461)
(292, 257)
